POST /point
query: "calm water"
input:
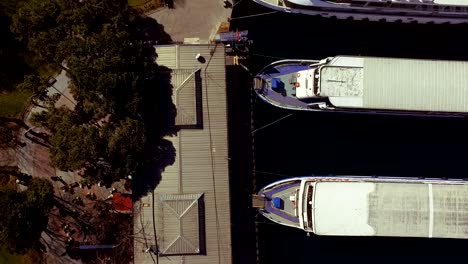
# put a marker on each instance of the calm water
(322, 143)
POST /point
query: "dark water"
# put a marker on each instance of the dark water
(349, 144)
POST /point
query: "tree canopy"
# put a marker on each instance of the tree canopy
(107, 51)
(25, 215)
(12, 64)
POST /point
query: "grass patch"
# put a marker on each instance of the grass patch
(6, 257)
(7, 182)
(138, 2)
(145, 5)
(31, 257)
(13, 103)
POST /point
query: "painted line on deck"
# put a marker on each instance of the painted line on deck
(431, 210)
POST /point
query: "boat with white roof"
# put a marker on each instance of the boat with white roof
(368, 206)
(367, 84)
(403, 11)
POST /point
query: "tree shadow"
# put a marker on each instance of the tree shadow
(159, 111)
(13, 66)
(159, 114)
(148, 29)
(151, 174)
(169, 3)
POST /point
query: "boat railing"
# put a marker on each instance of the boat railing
(292, 61)
(318, 105)
(295, 202)
(369, 7)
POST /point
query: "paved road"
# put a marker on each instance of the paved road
(192, 19)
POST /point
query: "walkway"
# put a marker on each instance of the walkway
(192, 19)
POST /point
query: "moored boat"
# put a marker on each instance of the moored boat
(415, 11)
(368, 206)
(367, 84)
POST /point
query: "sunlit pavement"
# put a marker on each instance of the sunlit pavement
(192, 19)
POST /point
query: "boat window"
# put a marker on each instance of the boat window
(309, 205)
(316, 81)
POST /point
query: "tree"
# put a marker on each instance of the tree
(76, 146)
(110, 59)
(40, 193)
(74, 142)
(125, 146)
(25, 215)
(114, 229)
(7, 138)
(36, 84)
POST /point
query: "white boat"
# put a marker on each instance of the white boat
(367, 84)
(368, 206)
(403, 11)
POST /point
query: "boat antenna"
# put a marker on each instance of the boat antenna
(267, 125)
(272, 173)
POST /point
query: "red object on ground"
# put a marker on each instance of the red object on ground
(122, 202)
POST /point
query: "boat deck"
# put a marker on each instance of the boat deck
(287, 212)
(277, 87)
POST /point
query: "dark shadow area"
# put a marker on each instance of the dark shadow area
(169, 3)
(159, 114)
(39, 138)
(227, 4)
(159, 111)
(309, 37)
(240, 165)
(201, 59)
(345, 144)
(148, 29)
(150, 176)
(202, 225)
(12, 64)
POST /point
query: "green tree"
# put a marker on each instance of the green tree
(40, 193)
(24, 215)
(74, 143)
(110, 60)
(34, 83)
(125, 146)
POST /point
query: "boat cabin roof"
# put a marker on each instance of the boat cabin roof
(395, 84)
(390, 209)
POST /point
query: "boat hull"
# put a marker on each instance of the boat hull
(380, 15)
(375, 206)
(285, 99)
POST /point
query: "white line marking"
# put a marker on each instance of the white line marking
(431, 210)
